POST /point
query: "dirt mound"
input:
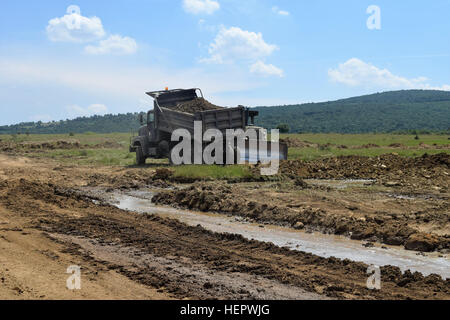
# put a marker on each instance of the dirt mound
(366, 146)
(196, 105)
(106, 145)
(397, 145)
(427, 161)
(297, 143)
(47, 145)
(359, 167)
(11, 146)
(434, 146)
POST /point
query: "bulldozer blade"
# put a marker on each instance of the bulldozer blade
(252, 154)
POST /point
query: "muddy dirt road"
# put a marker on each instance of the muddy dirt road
(48, 223)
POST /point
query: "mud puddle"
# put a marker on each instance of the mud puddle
(340, 184)
(316, 243)
(414, 196)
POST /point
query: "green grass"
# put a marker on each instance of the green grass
(378, 139)
(99, 157)
(121, 156)
(355, 140)
(308, 154)
(213, 172)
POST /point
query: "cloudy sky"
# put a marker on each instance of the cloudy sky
(63, 59)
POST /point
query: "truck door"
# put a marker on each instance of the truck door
(151, 124)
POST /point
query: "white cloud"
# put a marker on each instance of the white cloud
(115, 44)
(280, 12)
(235, 44)
(75, 111)
(119, 82)
(261, 68)
(201, 6)
(74, 27)
(356, 72)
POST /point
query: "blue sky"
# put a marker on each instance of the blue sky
(101, 56)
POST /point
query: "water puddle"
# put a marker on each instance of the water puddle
(340, 184)
(316, 243)
(415, 196)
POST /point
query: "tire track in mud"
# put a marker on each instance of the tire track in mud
(56, 210)
(176, 273)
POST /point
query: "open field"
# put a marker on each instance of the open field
(381, 139)
(161, 232)
(112, 149)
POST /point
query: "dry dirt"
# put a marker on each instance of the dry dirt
(45, 226)
(26, 147)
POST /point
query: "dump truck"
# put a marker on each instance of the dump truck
(155, 134)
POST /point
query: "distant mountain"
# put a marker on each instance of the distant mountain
(395, 111)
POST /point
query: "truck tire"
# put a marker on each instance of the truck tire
(140, 158)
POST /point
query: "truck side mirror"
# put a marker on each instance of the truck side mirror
(141, 119)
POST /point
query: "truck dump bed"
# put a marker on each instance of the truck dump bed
(172, 112)
(221, 119)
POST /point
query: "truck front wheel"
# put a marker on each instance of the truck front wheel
(140, 158)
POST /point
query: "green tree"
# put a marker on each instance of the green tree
(284, 128)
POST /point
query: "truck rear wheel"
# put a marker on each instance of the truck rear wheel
(140, 158)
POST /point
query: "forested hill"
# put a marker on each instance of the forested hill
(396, 111)
(99, 124)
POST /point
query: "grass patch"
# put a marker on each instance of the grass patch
(95, 157)
(121, 156)
(309, 154)
(211, 171)
(378, 139)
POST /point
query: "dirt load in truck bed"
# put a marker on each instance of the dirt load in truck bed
(196, 105)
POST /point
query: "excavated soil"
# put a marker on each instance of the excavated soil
(297, 143)
(25, 147)
(394, 228)
(108, 239)
(429, 170)
(196, 105)
(45, 226)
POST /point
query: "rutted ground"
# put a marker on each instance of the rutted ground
(407, 203)
(420, 224)
(124, 255)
